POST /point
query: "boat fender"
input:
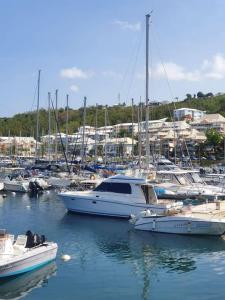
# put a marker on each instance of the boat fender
(153, 224)
(189, 226)
(65, 257)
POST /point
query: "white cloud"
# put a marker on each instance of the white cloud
(214, 69)
(74, 88)
(112, 74)
(126, 25)
(75, 72)
(175, 72)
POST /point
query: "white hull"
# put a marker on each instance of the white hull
(106, 207)
(29, 260)
(180, 225)
(16, 187)
(1, 186)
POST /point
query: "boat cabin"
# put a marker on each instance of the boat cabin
(136, 188)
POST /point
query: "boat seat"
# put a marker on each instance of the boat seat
(21, 241)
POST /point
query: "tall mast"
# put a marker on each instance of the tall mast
(56, 131)
(139, 136)
(96, 128)
(49, 127)
(146, 91)
(105, 135)
(37, 114)
(83, 133)
(132, 129)
(67, 121)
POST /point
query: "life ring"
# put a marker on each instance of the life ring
(92, 177)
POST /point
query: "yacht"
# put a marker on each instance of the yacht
(204, 219)
(183, 184)
(26, 253)
(117, 196)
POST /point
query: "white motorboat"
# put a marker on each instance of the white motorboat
(16, 184)
(205, 219)
(183, 184)
(117, 196)
(24, 254)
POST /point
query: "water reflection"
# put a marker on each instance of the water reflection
(146, 253)
(19, 287)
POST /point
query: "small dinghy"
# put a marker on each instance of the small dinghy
(24, 254)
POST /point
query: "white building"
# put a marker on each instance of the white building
(210, 121)
(188, 114)
(125, 127)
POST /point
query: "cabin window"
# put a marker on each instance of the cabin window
(181, 179)
(120, 188)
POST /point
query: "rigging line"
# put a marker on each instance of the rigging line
(164, 68)
(134, 65)
(35, 93)
(132, 53)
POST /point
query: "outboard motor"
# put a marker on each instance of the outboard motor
(37, 239)
(43, 239)
(32, 187)
(38, 186)
(30, 239)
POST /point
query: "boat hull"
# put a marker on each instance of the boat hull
(30, 260)
(180, 225)
(13, 187)
(106, 207)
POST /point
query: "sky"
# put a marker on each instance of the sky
(96, 48)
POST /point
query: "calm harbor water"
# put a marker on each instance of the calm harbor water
(109, 259)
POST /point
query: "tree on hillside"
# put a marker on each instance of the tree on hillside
(200, 95)
(215, 139)
(188, 96)
(208, 95)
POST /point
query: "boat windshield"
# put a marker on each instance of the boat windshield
(196, 178)
(114, 187)
(181, 179)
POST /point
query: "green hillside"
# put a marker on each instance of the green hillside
(24, 123)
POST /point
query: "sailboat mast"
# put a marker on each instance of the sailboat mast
(56, 131)
(139, 136)
(37, 114)
(67, 121)
(146, 91)
(96, 128)
(132, 130)
(49, 127)
(83, 133)
(105, 135)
